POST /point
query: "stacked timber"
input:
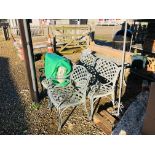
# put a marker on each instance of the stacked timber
(104, 121)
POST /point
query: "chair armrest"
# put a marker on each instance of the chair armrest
(93, 89)
(47, 83)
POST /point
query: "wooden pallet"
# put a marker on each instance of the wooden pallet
(104, 121)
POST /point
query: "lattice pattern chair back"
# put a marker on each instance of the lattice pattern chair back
(107, 76)
(107, 69)
(113, 59)
(80, 77)
(88, 59)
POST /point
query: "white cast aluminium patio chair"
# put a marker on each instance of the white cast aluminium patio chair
(108, 73)
(72, 95)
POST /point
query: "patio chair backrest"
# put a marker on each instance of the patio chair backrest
(107, 69)
(80, 76)
(88, 59)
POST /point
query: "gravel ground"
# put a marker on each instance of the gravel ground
(17, 113)
(132, 121)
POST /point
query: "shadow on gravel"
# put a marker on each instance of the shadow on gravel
(103, 43)
(12, 113)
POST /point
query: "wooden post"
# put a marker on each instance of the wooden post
(29, 61)
(54, 43)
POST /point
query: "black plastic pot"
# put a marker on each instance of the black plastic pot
(119, 38)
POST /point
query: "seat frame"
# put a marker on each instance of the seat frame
(75, 92)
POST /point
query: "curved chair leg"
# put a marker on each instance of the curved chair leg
(113, 98)
(59, 119)
(85, 107)
(50, 104)
(91, 108)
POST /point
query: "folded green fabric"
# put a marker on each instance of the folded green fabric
(52, 63)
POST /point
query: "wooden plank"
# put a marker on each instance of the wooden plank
(71, 44)
(71, 35)
(63, 47)
(70, 27)
(103, 124)
(107, 116)
(110, 52)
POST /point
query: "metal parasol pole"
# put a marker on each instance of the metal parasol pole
(122, 69)
(131, 42)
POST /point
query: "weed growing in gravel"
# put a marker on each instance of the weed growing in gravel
(35, 106)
